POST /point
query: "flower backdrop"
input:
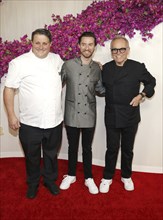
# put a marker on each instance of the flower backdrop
(104, 18)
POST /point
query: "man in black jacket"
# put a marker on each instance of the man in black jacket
(122, 79)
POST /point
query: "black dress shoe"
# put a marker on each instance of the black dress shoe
(53, 188)
(32, 192)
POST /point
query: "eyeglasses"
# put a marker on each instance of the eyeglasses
(121, 50)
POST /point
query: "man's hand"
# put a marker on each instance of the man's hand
(100, 65)
(13, 123)
(136, 100)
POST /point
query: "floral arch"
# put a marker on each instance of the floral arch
(104, 18)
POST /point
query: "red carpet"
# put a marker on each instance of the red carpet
(76, 203)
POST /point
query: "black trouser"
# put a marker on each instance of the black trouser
(32, 138)
(117, 137)
(73, 135)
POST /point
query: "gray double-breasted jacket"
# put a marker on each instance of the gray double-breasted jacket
(82, 83)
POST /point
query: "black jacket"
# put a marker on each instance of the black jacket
(122, 84)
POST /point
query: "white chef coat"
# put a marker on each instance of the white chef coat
(40, 87)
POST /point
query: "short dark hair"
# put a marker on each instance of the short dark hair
(87, 34)
(42, 31)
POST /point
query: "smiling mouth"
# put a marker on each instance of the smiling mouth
(87, 51)
(119, 56)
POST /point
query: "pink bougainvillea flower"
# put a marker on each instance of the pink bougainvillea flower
(104, 18)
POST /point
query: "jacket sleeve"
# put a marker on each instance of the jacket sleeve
(148, 81)
(63, 73)
(100, 89)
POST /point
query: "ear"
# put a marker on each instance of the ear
(128, 50)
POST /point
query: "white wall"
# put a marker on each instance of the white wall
(21, 17)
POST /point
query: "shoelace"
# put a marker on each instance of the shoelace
(65, 176)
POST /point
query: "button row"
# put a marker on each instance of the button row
(79, 103)
(84, 113)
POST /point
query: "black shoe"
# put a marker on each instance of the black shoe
(53, 188)
(32, 192)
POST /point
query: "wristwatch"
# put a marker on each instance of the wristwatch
(142, 94)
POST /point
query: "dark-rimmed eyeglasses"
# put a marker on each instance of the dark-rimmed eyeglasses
(121, 50)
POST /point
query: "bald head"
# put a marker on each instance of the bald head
(119, 38)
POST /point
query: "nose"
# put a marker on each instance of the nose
(86, 47)
(41, 46)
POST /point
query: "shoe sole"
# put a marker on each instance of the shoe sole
(128, 189)
(68, 186)
(104, 191)
(32, 196)
(94, 193)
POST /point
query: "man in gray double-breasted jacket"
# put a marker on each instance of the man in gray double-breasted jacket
(83, 79)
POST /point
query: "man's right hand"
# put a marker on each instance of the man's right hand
(14, 123)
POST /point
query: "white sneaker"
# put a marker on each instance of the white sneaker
(91, 186)
(128, 184)
(66, 182)
(105, 185)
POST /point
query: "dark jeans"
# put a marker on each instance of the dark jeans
(32, 139)
(117, 137)
(73, 135)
